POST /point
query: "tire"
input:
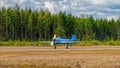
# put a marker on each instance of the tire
(55, 47)
(67, 47)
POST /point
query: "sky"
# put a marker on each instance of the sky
(98, 8)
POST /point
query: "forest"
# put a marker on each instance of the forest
(33, 25)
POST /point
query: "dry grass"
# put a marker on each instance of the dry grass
(46, 57)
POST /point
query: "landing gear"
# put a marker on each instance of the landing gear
(54, 46)
(67, 46)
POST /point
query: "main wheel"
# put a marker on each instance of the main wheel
(67, 47)
(55, 47)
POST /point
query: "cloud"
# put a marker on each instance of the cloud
(98, 2)
(112, 17)
(113, 2)
(1, 3)
(50, 6)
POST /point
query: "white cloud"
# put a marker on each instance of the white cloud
(112, 17)
(22, 0)
(111, 10)
(113, 2)
(1, 3)
(64, 8)
(65, 0)
(50, 6)
(98, 2)
(105, 2)
(100, 14)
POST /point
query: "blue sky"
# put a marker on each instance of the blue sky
(98, 8)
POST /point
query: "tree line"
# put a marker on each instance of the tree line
(33, 25)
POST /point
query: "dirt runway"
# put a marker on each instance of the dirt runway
(48, 57)
(77, 48)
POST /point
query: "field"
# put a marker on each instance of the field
(47, 57)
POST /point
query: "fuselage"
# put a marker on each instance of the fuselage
(63, 41)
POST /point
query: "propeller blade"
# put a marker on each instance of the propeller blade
(51, 43)
(53, 40)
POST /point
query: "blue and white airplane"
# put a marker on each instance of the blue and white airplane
(59, 40)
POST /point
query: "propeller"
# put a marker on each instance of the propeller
(53, 40)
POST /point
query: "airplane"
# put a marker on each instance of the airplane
(59, 40)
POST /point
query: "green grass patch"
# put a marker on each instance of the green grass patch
(96, 42)
(47, 43)
(25, 43)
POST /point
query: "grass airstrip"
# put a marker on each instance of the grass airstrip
(47, 57)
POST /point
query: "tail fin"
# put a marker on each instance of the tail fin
(73, 38)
